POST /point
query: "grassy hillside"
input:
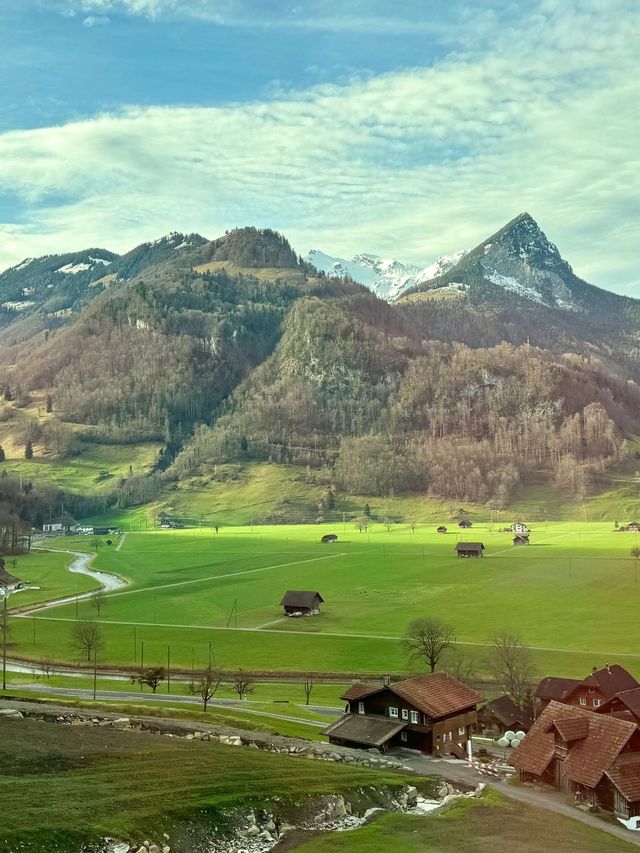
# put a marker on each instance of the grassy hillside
(141, 785)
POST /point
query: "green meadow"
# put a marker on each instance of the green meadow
(572, 595)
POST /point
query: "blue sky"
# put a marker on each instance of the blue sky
(400, 129)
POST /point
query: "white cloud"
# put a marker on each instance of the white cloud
(413, 163)
(95, 21)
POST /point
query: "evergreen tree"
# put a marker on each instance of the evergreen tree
(367, 511)
(2, 454)
(28, 450)
(49, 403)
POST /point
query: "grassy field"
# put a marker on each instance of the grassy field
(491, 824)
(572, 595)
(140, 785)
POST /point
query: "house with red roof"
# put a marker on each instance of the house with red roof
(592, 692)
(592, 755)
(624, 705)
(433, 713)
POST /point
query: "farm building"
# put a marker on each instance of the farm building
(469, 549)
(633, 526)
(502, 714)
(7, 582)
(441, 529)
(60, 525)
(301, 602)
(592, 692)
(104, 531)
(519, 527)
(432, 713)
(329, 537)
(465, 524)
(625, 705)
(521, 539)
(594, 756)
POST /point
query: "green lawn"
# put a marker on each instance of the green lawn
(62, 787)
(491, 824)
(572, 595)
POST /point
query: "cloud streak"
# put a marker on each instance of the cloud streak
(413, 163)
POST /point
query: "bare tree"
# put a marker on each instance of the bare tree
(206, 685)
(48, 667)
(427, 640)
(86, 637)
(242, 684)
(308, 687)
(461, 668)
(511, 666)
(97, 600)
(151, 676)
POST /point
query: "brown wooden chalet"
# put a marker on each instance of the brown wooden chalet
(441, 529)
(521, 539)
(502, 714)
(301, 601)
(592, 692)
(625, 705)
(592, 755)
(469, 549)
(465, 524)
(432, 713)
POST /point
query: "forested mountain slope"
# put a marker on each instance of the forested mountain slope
(506, 370)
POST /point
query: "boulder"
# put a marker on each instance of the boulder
(11, 712)
(117, 847)
(121, 723)
(412, 794)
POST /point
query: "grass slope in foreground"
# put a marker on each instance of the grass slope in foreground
(64, 786)
(491, 824)
(571, 595)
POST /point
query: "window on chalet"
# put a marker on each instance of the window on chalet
(361, 707)
(405, 714)
(597, 703)
(415, 718)
(393, 713)
(583, 701)
(461, 730)
(403, 737)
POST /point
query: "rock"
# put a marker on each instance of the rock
(231, 740)
(270, 826)
(121, 723)
(252, 831)
(166, 849)
(11, 712)
(371, 813)
(117, 847)
(412, 794)
(197, 735)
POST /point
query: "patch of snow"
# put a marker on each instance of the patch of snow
(24, 264)
(100, 261)
(27, 291)
(487, 247)
(171, 237)
(73, 269)
(18, 305)
(509, 283)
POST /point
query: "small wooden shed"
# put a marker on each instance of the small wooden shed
(469, 549)
(329, 537)
(302, 602)
(521, 539)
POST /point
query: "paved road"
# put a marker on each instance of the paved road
(137, 696)
(457, 772)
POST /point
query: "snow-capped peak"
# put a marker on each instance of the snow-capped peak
(387, 277)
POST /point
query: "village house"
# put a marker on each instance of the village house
(469, 549)
(597, 688)
(521, 539)
(502, 715)
(60, 525)
(465, 524)
(519, 527)
(441, 529)
(7, 582)
(329, 537)
(625, 705)
(593, 756)
(301, 602)
(432, 713)
(633, 527)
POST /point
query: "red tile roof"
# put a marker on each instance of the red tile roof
(570, 729)
(625, 775)
(437, 694)
(357, 691)
(629, 698)
(611, 680)
(555, 688)
(505, 709)
(588, 758)
(365, 729)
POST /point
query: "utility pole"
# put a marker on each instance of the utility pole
(95, 672)
(168, 669)
(141, 661)
(5, 628)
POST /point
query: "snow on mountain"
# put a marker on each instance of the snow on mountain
(386, 277)
(82, 266)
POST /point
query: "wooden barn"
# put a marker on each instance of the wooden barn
(469, 549)
(441, 529)
(502, 714)
(7, 582)
(521, 539)
(592, 692)
(301, 602)
(433, 713)
(465, 524)
(329, 537)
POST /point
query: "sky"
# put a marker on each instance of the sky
(407, 129)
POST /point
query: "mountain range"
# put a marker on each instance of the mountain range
(486, 371)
